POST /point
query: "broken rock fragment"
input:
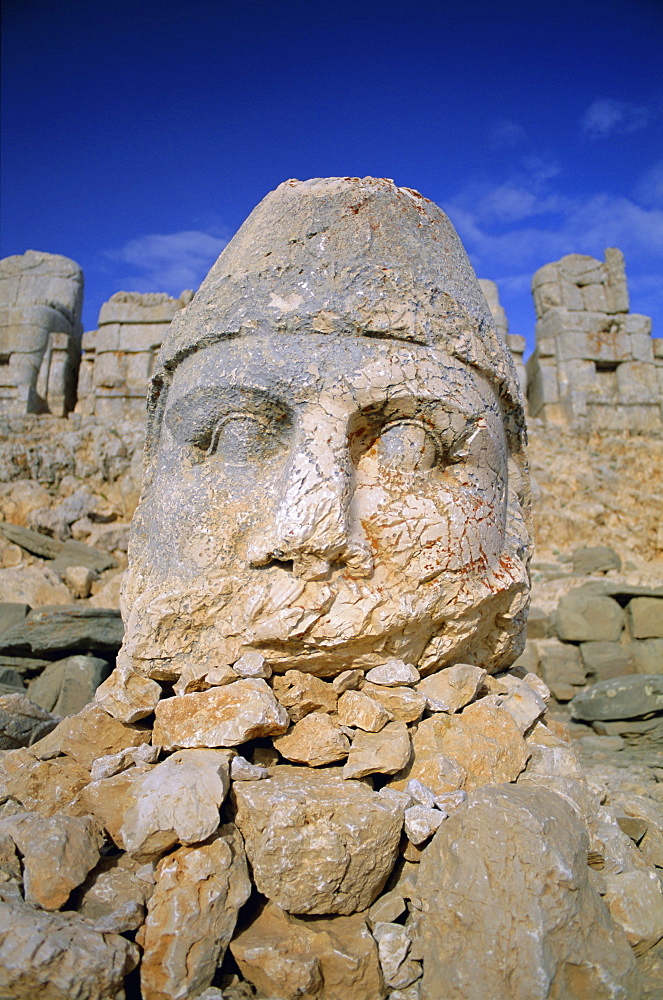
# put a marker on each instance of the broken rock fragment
(451, 689)
(220, 717)
(325, 959)
(356, 709)
(315, 740)
(385, 752)
(60, 956)
(302, 693)
(58, 852)
(127, 695)
(192, 915)
(317, 843)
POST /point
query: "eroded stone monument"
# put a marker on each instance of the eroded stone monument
(118, 357)
(41, 297)
(328, 583)
(595, 366)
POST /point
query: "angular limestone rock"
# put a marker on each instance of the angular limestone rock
(114, 896)
(522, 702)
(506, 876)
(326, 959)
(177, 801)
(317, 843)
(421, 822)
(220, 717)
(22, 722)
(58, 852)
(44, 786)
(66, 686)
(635, 901)
(393, 673)
(403, 703)
(385, 752)
(356, 709)
(91, 734)
(60, 956)
(315, 741)
(483, 740)
(302, 693)
(453, 688)
(192, 915)
(127, 695)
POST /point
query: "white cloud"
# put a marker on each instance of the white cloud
(607, 117)
(505, 133)
(167, 262)
(650, 187)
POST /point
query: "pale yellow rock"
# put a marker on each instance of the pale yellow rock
(220, 717)
(393, 673)
(79, 580)
(421, 822)
(29, 585)
(385, 752)
(356, 709)
(393, 946)
(114, 897)
(438, 772)
(177, 801)
(90, 734)
(127, 695)
(113, 763)
(403, 703)
(523, 703)
(386, 908)
(58, 852)
(349, 679)
(302, 693)
(317, 843)
(252, 664)
(192, 915)
(107, 799)
(60, 955)
(328, 959)
(451, 689)
(506, 877)
(315, 741)
(44, 786)
(483, 740)
(635, 901)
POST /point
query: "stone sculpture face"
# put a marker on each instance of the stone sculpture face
(329, 500)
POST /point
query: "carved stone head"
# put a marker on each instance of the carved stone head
(335, 470)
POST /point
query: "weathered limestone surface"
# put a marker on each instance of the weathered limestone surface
(41, 296)
(118, 357)
(594, 366)
(513, 341)
(507, 876)
(59, 956)
(317, 843)
(191, 916)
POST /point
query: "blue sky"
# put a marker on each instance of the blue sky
(138, 136)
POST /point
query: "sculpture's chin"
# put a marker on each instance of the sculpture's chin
(325, 627)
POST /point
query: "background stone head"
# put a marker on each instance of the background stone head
(335, 466)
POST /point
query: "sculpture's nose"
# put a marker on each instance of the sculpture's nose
(310, 525)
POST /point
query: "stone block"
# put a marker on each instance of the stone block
(107, 338)
(603, 660)
(657, 344)
(617, 289)
(542, 385)
(582, 616)
(595, 559)
(12, 614)
(645, 617)
(561, 667)
(637, 383)
(134, 307)
(648, 656)
(137, 337)
(620, 698)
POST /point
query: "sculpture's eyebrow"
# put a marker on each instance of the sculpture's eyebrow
(204, 404)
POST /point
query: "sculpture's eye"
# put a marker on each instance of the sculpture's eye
(407, 446)
(241, 437)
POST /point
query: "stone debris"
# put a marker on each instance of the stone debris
(635, 901)
(114, 898)
(43, 786)
(451, 689)
(325, 959)
(620, 698)
(90, 734)
(242, 769)
(60, 955)
(67, 685)
(57, 852)
(252, 664)
(393, 673)
(317, 843)
(386, 909)
(127, 695)
(552, 910)
(114, 763)
(522, 701)
(394, 943)
(386, 752)
(56, 631)
(22, 722)
(357, 709)
(403, 703)
(220, 717)
(315, 741)
(303, 693)
(191, 916)
(421, 822)
(348, 680)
